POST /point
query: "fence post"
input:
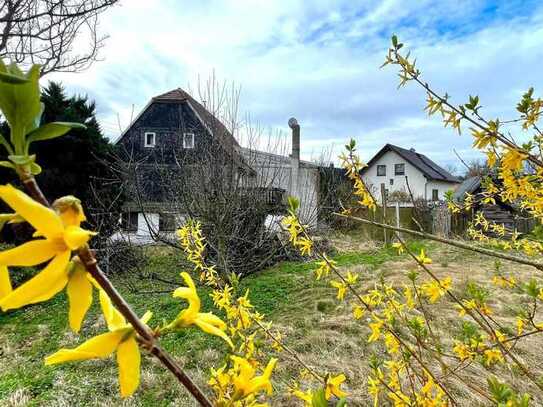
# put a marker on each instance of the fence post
(397, 206)
(384, 204)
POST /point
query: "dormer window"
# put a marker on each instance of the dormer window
(188, 140)
(150, 139)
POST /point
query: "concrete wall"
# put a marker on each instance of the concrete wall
(274, 170)
(419, 185)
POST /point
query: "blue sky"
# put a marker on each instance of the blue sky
(319, 61)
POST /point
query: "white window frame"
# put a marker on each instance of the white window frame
(185, 144)
(145, 139)
(381, 166)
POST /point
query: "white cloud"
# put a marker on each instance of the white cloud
(319, 62)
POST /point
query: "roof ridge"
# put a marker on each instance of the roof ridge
(424, 164)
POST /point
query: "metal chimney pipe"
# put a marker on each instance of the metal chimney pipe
(294, 156)
(293, 124)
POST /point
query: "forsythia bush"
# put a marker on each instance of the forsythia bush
(411, 366)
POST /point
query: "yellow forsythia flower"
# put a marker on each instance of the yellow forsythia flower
(246, 382)
(61, 234)
(358, 312)
(206, 321)
(493, 356)
(351, 278)
(463, 351)
(341, 288)
(398, 246)
(121, 338)
(392, 344)
(306, 397)
(375, 329)
(422, 258)
(5, 283)
(520, 326)
(333, 386)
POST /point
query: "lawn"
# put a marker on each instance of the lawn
(319, 328)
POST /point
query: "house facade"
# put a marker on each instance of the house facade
(173, 134)
(401, 172)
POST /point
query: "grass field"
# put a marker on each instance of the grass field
(314, 324)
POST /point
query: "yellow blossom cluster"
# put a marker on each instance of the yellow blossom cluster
(237, 383)
(353, 166)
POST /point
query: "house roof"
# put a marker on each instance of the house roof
(252, 155)
(468, 186)
(429, 168)
(213, 124)
(208, 119)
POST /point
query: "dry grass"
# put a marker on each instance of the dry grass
(319, 328)
(332, 341)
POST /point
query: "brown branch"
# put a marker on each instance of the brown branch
(88, 259)
(450, 242)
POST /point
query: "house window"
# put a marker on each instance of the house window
(392, 181)
(129, 221)
(166, 222)
(435, 195)
(188, 140)
(150, 139)
(381, 170)
(399, 169)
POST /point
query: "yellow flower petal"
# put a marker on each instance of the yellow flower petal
(76, 237)
(29, 254)
(43, 219)
(212, 319)
(100, 346)
(42, 286)
(188, 293)
(79, 291)
(5, 283)
(114, 318)
(213, 330)
(146, 317)
(333, 386)
(128, 359)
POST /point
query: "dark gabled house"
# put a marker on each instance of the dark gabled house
(174, 135)
(176, 123)
(171, 133)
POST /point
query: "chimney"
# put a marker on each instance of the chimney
(293, 124)
(412, 150)
(295, 156)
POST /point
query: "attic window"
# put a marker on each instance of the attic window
(399, 169)
(188, 140)
(381, 170)
(150, 139)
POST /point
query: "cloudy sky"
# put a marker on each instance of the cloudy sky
(319, 61)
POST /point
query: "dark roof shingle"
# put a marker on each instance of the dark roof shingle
(209, 119)
(429, 168)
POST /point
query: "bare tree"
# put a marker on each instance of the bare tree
(235, 183)
(59, 35)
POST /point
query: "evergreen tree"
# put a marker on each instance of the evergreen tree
(72, 162)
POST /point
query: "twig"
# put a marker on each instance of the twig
(88, 259)
(450, 242)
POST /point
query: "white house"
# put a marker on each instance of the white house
(400, 170)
